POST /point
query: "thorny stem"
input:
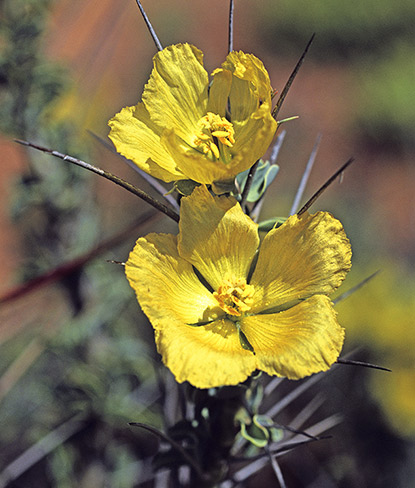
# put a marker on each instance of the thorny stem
(219, 431)
(69, 267)
(109, 176)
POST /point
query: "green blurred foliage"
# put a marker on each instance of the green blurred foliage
(27, 82)
(375, 38)
(95, 373)
(48, 196)
(343, 29)
(386, 107)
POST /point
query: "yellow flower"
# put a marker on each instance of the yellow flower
(216, 325)
(186, 128)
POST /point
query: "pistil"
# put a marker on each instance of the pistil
(235, 296)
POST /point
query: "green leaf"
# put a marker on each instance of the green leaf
(267, 225)
(255, 433)
(185, 187)
(266, 422)
(255, 396)
(264, 176)
(227, 186)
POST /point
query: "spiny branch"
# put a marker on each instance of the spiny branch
(69, 267)
(109, 176)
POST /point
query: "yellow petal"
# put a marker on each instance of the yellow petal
(176, 94)
(251, 86)
(206, 356)
(249, 68)
(198, 167)
(307, 255)
(216, 236)
(243, 81)
(165, 284)
(172, 298)
(253, 137)
(295, 343)
(250, 107)
(194, 163)
(219, 92)
(161, 133)
(135, 137)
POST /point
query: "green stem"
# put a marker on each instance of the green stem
(216, 417)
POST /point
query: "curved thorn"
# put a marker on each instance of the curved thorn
(275, 467)
(150, 179)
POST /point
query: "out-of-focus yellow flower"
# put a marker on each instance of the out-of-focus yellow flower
(186, 128)
(396, 394)
(380, 316)
(241, 310)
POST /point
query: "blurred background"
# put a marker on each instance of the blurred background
(77, 360)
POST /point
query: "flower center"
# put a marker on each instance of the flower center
(213, 133)
(235, 296)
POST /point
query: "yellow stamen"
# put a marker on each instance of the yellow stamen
(212, 130)
(234, 296)
(214, 148)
